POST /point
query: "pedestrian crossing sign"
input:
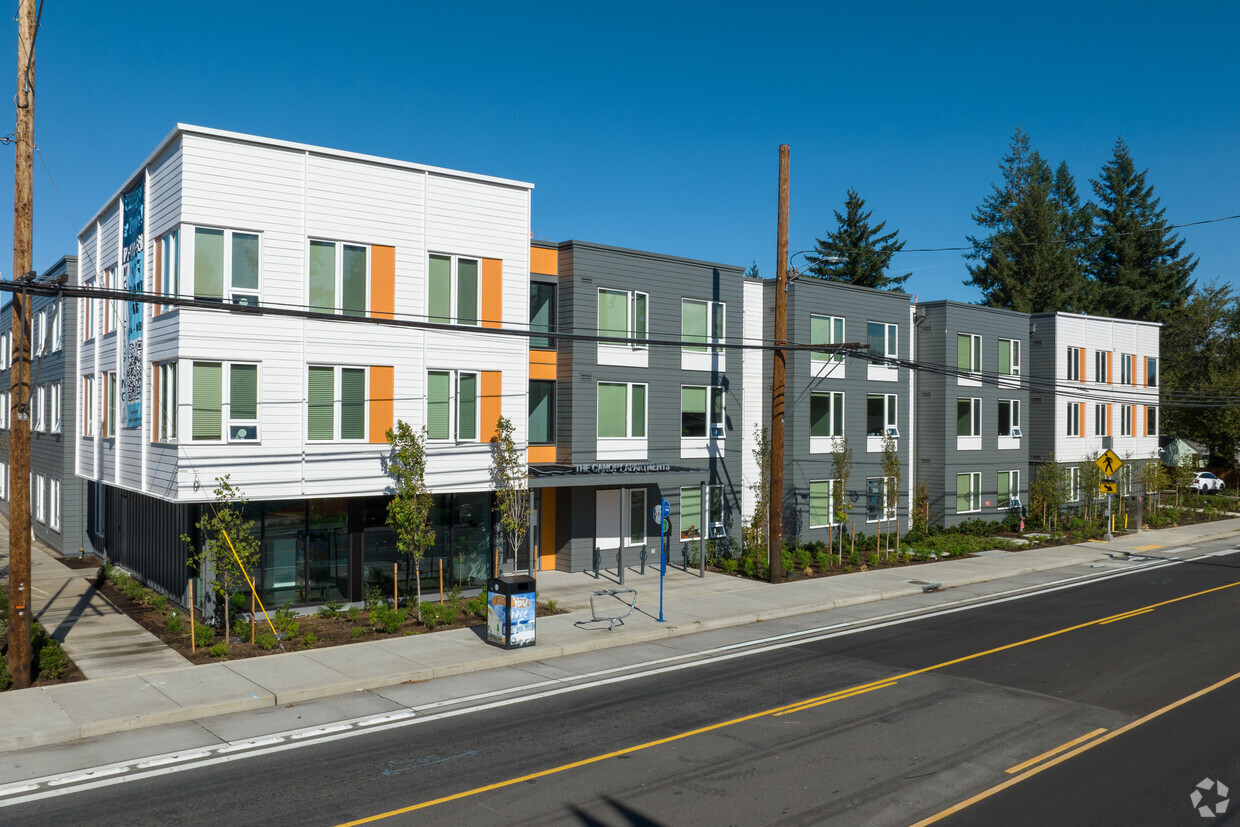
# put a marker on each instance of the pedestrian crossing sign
(1109, 462)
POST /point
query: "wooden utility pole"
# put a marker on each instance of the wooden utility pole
(19, 433)
(775, 543)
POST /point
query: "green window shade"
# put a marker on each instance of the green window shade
(819, 334)
(874, 413)
(613, 405)
(964, 502)
(716, 406)
(690, 513)
(245, 261)
(637, 516)
(717, 320)
(438, 400)
(1005, 356)
(613, 313)
(320, 396)
(877, 333)
(208, 389)
(819, 503)
(639, 316)
(838, 413)
(1004, 489)
(208, 264)
(467, 291)
(639, 411)
(440, 297)
(353, 281)
(838, 338)
(693, 411)
(693, 324)
(820, 414)
(964, 352)
(243, 391)
(541, 400)
(467, 406)
(323, 276)
(352, 403)
(542, 312)
(964, 420)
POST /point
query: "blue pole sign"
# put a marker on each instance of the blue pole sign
(662, 512)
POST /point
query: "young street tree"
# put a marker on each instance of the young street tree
(755, 531)
(1033, 258)
(408, 512)
(841, 468)
(512, 486)
(894, 478)
(229, 545)
(1137, 267)
(864, 251)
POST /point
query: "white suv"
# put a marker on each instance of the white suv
(1206, 483)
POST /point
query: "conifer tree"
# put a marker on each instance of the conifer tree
(864, 251)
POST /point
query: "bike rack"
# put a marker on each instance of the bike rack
(611, 619)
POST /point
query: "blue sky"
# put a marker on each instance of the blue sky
(657, 125)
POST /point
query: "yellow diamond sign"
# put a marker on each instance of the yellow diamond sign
(1108, 487)
(1109, 462)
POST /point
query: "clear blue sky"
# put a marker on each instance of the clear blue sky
(657, 125)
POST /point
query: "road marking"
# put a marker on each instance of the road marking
(1038, 758)
(838, 696)
(1127, 616)
(1149, 548)
(1011, 782)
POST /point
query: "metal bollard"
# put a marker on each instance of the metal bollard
(684, 553)
(598, 560)
(620, 563)
(644, 553)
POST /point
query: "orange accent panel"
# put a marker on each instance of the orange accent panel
(546, 546)
(542, 357)
(541, 370)
(382, 391)
(490, 402)
(1109, 430)
(1084, 375)
(382, 282)
(1081, 408)
(544, 262)
(1110, 367)
(1145, 371)
(492, 292)
(542, 453)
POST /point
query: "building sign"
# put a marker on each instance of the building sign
(133, 240)
(621, 467)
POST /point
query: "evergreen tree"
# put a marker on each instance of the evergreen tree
(865, 250)
(1033, 258)
(1137, 267)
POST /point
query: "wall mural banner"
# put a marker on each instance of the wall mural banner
(133, 241)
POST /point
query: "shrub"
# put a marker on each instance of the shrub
(51, 660)
(477, 606)
(354, 614)
(286, 621)
(854, 557)
(823, 561)
(218, 650)
(358, 631)
(331, 609)
(873, 560)
(384, 618)
(203, 635)
(802, 558)
(728, 564)
(435, 615)
(266, 641)
(748, 567)
(789, 563)
(553, 606)
(310, 639)
(175, 624)
(160, 603)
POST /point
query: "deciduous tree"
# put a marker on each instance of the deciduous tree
(408, 512)
(229, 547)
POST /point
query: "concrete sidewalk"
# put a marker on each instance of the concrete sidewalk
(166, 694)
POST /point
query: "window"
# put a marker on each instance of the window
(38, 332)
(339, 277)
(53, 505)
(542, 313)
(883, 340)
(1125, 420)
(4, 481)
(968, 492)
(109, 404)
(695, 420)
(969, 352)
(454, 291)
(1009, 417)
(1009, 357)
(336, 403)
(40, 498)
(1074, 419)
(88, 406)
(1151, 371)
(701, 321)
(216, 402)
(40, 404)
(168, 268)
(826, 414)
(1126, 361)
(109, 317)
(1075, 355)
(542, 412)
(880, 415)
(1074, 483)
(637, 516)
(621, 410)
(6, 351)
(4, 410)
(1151, 421)
(1102, 423)
(1009, 489)
(1102, 367)
(691, 517)
(877, 506)
(58, 324)
(55, 413)
(165, 402)
(452, 408)
(623, 315)
(88, 314)
(826, 330)
(226, 265)
(968, 416)
(820, 506)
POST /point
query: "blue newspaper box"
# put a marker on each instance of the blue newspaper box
(510, 611)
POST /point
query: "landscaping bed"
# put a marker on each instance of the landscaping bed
(52, 665)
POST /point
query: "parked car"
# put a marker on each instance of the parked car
(1206, 483)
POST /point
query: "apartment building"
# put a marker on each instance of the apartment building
(856, 400)
(617, 426)
(294, 409)
(971, 429)
(1093, 384)
(57, 495)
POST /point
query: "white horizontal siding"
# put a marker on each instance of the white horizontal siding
(164, 194)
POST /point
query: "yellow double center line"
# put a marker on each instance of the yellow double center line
(836, 696)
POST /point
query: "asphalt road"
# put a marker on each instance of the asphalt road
(888, 726)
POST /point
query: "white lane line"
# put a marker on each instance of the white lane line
(87, 776)
(238, 746)
(314, 732)
(173, 759)
(14, 789)
(384, 719)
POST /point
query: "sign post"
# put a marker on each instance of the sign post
(1109, 463)
(662, 512)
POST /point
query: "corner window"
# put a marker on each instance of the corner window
(226, 265)
(969, 352)
(452, 408)
(1009, 357)
(225, 394)
(453, 290)
(542, 412)
(1151, 421)
(826, 330)
(621, 410)
(882, 340)
(165, 401)
(168, 268)
(701, 321)
(542, 314)
(1151, 371)
(697, 417)
(826, 414)
(968, 492)
(623, 314)
(1075, 357)
(339, 278)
